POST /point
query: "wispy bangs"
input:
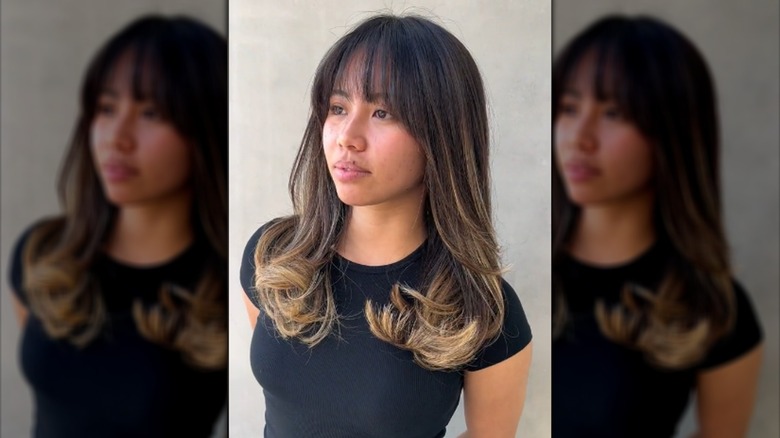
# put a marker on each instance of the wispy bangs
(377, 64)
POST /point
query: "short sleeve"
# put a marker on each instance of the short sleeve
(745, 334)
(16, 266)
(515, 334)
(248, 267)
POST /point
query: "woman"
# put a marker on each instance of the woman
(645, 308)
(122, 297)
(380, 298)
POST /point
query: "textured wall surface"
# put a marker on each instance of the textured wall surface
(45, 49)
(741, 43)
(274, 50)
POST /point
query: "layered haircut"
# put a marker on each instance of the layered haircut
(430, 82)
(181, 65)
(662, 85)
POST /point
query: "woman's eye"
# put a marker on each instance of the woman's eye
(105, 109)
(381, 114)
(613, 113)
(151, 114)
(567, 109)
(336, 110)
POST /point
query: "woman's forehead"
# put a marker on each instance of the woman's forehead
(131, 74)
(369, 79)
(593, 73)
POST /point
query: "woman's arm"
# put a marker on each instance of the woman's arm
(20, 310)
(493, 397)
(253, 311)
(726, 394)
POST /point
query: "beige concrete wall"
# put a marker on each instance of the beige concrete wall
(741, 42)
(274, 50)
(45, 47)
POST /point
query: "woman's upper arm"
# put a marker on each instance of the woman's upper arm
(21, 311)
(253, 311)
(726, 394)
(493, 397)
(16, 278)
(247, 276)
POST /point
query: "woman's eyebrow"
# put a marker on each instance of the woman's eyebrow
(381, 97)
(372, 97)
(341, 93)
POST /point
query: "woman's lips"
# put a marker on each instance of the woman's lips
(347, 171)
(577, 171)
(118, 172)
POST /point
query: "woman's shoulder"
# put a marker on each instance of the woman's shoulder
(515, 321)
(16, 264)
(260, 231)
(248, 266)
(515, 332)
(745, 333)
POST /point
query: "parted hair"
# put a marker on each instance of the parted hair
(432, 84)
(662, 85)
(181, 65)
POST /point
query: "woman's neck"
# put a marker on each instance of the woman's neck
(151, 234)
(374, 236)
(613, 234)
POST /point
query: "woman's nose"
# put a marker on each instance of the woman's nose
(120, 133)
(584, 132)
(352, 134)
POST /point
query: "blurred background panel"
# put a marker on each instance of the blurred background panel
(45, 47)
(274, 50)
(741, 43)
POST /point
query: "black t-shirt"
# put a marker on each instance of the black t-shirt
(120, 384)
(601, 389)
(352, 384)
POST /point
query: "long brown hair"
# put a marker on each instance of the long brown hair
(662, 84)
(181, 65)
(434, 86)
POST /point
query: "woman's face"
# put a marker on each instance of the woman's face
(602, 157)
(372, 158)
(140, 157)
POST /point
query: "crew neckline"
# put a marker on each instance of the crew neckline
(640, 259)
(165, 264)
(348, 265)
